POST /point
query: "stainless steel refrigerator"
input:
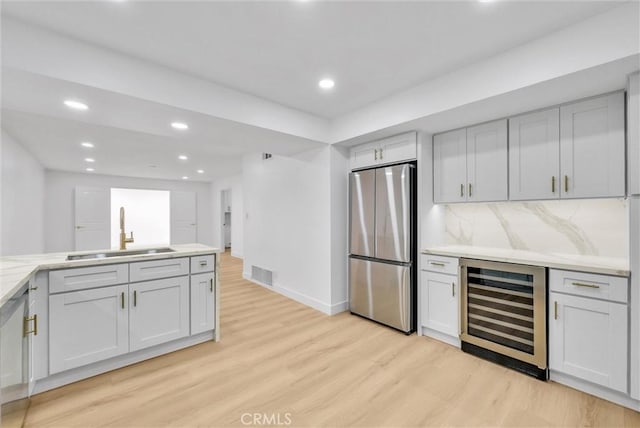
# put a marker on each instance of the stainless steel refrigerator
(382, 245)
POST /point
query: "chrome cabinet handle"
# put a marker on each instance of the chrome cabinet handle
(553, 184)
(203, 262)
(582, 284)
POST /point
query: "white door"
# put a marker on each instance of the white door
(534, 156)
(183, 218)
(364, 155)
(450, 166)
(158, 311)
(398, 148)
(202, 302)
(487, 161)
(439, 303)
(592, 147)
(588, 339)
(87, 326)
(92, 218)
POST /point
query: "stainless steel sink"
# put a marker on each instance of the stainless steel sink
(105, 255)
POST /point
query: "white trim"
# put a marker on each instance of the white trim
(236, 255)
(84, 372)
(302, 298)
(450, 340)
(593, 389)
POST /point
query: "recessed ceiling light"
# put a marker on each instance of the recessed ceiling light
(90, 160)
(200, 171)
(183, 157)
(184, 177)
(90, 169)
(326, 83)
(179, 125)
(76, 105)
(87, 144)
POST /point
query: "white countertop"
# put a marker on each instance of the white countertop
(15, 271)
(591, 264)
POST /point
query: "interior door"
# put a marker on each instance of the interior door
(183, 218)
(362, 185)
(393, 213)
(92, 218)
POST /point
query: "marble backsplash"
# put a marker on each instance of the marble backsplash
(597, 227)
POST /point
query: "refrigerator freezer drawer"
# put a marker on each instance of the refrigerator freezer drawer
(381, 292)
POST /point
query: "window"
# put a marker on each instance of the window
(147, 214)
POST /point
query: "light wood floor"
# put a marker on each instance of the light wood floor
(277, 357)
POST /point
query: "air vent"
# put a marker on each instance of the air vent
(261, 275)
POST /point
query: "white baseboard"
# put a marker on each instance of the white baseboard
(593, 389)
(302, 298)
(442, 337)
(238, 255)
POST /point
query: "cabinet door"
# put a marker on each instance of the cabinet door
(592, 147)
(202, 302)
(398, 148)
(534, 155)
(633, 133)
(364, 155)
(439, 302)
(87, 326)
(158, 311)
(588, 339)
(450, 166)
(487, 162)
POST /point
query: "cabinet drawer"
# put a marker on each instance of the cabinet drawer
(155, 269)
(88, 277)
(606, 287)
(203, 263)
(442, 264)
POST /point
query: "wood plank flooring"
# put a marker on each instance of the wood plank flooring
(285, 362)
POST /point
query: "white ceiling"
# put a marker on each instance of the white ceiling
(279, 50)
(129, 134)
(274, 50)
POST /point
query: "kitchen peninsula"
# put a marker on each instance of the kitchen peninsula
(88, 313)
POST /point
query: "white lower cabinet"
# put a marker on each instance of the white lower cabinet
(588, 336)
(158, 312)
(87, 326)
(202, 302)
(439, 302)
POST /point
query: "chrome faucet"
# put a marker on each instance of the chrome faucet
(123, 236)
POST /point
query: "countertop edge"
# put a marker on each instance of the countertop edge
(6, 295)
(602, 270)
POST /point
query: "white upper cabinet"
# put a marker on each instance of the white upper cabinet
(390, 150)
(487, 161)
(450, 166)
(471, 164)
(534, 155)
(592, 147)
(633, 133)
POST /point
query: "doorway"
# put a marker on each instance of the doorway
(225, 215)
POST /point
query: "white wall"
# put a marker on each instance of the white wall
(237, 210)
(22, 196)
(339, 207)
(288, 223)
(59, 203)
